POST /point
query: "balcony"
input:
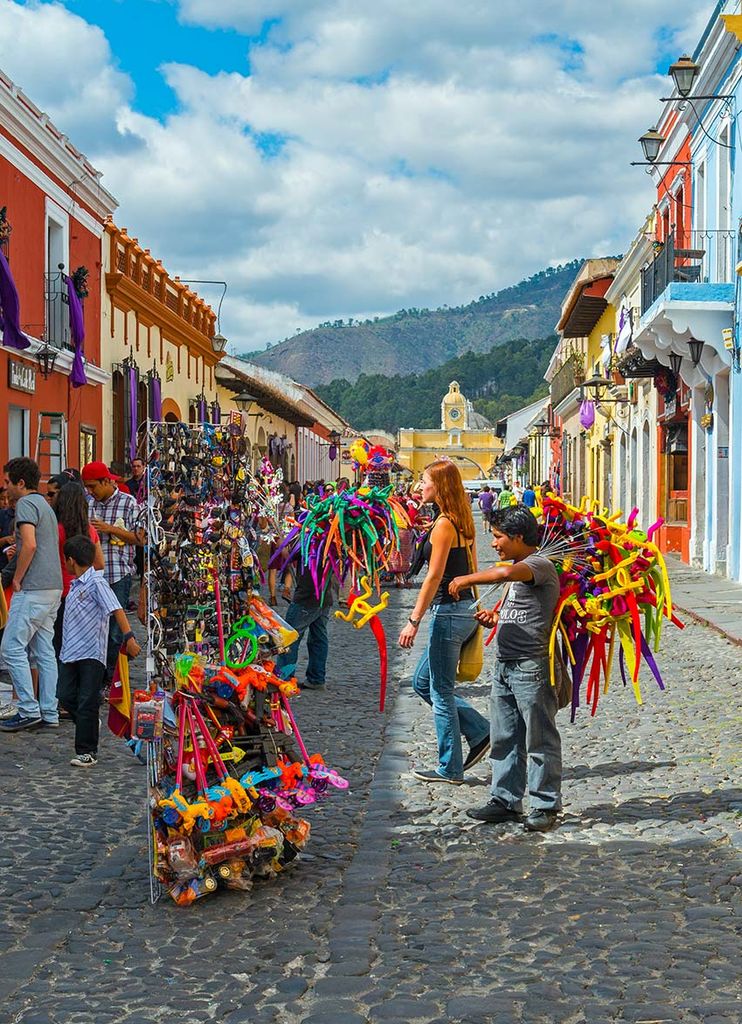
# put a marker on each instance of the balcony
(565, 380)
(707, 260)
(57, 311)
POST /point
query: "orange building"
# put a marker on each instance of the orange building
(52, 214)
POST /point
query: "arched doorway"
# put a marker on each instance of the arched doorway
(171, 411)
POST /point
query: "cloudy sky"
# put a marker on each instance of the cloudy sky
(335, 158)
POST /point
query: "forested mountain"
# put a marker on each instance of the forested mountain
(414, 340)
(498, 382)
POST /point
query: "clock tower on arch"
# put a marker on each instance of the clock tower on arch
(454, 409)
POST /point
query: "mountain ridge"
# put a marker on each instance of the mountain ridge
(416, 340)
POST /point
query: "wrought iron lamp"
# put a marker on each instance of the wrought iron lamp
(696, 350)
(46, 357)
(676, 362)
(598, 384)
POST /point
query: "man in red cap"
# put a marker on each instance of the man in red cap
(116, 516)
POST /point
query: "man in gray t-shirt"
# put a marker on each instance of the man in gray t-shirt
(523, 703)
(37, 590)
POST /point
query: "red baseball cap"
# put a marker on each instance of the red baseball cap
(97, 471)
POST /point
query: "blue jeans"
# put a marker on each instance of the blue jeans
(434, 681)
(312, 619)
(122, 590)
(30, 632)
(525, 739)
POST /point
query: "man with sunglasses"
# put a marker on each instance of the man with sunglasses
(116, 516)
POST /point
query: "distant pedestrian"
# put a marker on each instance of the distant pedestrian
(507, 498)
(529, 497)
(37, 590)
(116, 517)
(82, 664)
(307, 613)
(486, 501)
(73, 521)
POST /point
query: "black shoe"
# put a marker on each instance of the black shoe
(477, 753)
(540, 821)
(494, 812)
(306, 685)
(18, 722)
(431, 775)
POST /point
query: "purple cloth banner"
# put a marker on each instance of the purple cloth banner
(133, 381)
(77, 329)
(10, 309)
(156, 401)
(201, 410)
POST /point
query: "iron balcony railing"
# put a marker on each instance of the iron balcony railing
(57, 324)
(706, 257)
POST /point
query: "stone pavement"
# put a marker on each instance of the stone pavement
(711, 600)
(403, 908)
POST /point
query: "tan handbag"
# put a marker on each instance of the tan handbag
(471, 655)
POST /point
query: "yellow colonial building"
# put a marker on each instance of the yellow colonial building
(465, 437)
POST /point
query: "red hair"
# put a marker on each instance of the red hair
(451, 496)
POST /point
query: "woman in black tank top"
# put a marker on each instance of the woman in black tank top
(450, 552)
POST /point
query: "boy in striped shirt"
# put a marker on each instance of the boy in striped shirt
(82, 661)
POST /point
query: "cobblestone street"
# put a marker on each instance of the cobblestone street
(403, 908)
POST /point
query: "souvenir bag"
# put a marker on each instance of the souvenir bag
(471, 656)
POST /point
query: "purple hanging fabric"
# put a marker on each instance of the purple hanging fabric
(77, 329)
(10, 309)
(587, 413)
(156, 386)
(201, 410)
(332, 453)
(217, 413)
(133, 381)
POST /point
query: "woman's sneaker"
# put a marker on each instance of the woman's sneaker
(7, 711)
(84, 761)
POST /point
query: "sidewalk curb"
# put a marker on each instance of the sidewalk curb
(702, 621)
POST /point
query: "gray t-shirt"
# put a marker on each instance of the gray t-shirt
(527, 613)
(45, 570)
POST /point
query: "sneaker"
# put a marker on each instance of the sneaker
(494, 812)
(49, 725)
(306, 685)
(84, 760)
(18, 722)
(477, 753)
(541, 820)
(8, 711)
(433, 776)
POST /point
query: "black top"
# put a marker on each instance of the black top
(457, 564)
(304, 592)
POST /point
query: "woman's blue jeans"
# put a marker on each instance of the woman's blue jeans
(434, 680)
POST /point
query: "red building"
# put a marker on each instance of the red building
(53, 209)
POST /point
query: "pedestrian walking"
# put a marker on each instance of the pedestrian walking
(308, 614)
(523, 703)
(37, 589)
(116, 517)
(529, 497)
(71, 510)
(82, 662)
(486, 501)
(507, 498)
(450, 552)
(137, 485)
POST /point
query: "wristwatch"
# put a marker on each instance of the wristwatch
(414, 622)
(128, 636)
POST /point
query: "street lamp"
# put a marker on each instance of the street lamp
(545, 429)
(684, 73)
(46, 357)
(651, 143)
(676, 362)
(696, 350)
(597, 384)
(218, 343)
(244, 402)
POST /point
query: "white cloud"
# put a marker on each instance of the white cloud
(379, 154)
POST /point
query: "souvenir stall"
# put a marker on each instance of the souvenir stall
(229, 775)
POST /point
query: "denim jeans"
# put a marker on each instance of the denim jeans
(122, 590)
(434, 680)
(525, 739)
(30, 633)
(312, 619)
(80, 684)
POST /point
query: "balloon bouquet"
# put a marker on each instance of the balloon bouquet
(614, 596)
